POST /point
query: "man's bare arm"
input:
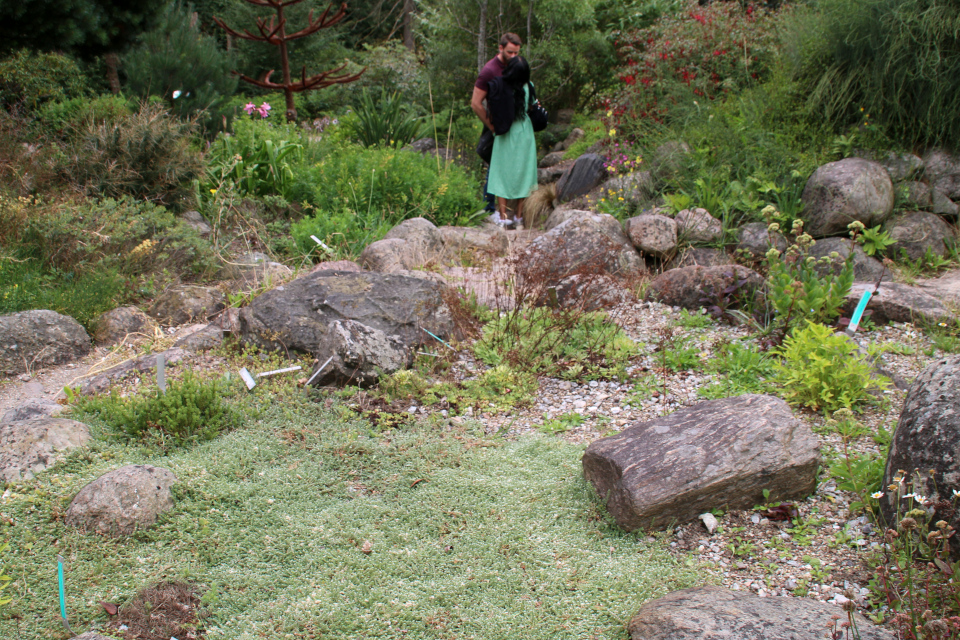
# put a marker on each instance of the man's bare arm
(476, 103)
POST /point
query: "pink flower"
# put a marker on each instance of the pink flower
(249, 108)
(264, 110)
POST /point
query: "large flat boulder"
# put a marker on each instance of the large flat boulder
(40, 338)
(716, 454)
(697, 226)
(296, 315)
(926, 444)
(587, 241)
(125, 500)
(696, 287)
(841, 192)
(714, 613)
(896, 302)
(124, 323)
(942, 171)
(31, 446)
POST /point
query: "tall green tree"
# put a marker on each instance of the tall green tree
(85, 28)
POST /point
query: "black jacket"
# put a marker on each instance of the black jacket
(500, 105)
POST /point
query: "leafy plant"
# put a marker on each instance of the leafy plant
(583, 345)
(385, 122)
(742, 369)
(562, 423)
(824, 370)
(191, 410)
(875, 241)
(29, 79)
(255, 164)
(5, 580)
(698, 320)
(856, 472)
(797, 292)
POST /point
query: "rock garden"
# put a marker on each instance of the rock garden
(274, 374)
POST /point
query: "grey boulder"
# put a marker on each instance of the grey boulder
(582, 178)
(118, 324)
(654, 235)
(917, 232)
(865, 268)
(841, 192)
(696, 287)
(31, 446)
(587, 241)
(592, 292)
(40, 338)
(697, 226)
(256, 268)
(756, 240)
(296, 315)
(926, 444)
(714, 613)
(123, 501)
(714, 454)
(39, 407)
(942, 171)
(635, 188)
(185, 303)
(896, 302)
(698, 257)
(361, 355)
(460, 240)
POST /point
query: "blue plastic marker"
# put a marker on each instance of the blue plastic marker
(858, 312)
(63, 597)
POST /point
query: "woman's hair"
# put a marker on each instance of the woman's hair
(516, 76)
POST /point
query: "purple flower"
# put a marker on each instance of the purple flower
(249, 108)
(264, 110)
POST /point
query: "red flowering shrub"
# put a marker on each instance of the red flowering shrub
(699, 54)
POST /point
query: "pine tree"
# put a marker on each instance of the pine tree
(273, 31)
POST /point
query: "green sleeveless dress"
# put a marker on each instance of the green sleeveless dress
(513, 165)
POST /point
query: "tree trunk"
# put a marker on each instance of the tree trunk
(285, 67)
(408, 25)
(112, 61)
(482, 37)
(529, 27)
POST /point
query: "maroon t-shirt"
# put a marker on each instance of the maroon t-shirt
(491, 70)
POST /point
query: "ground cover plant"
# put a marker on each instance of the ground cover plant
(303, 523)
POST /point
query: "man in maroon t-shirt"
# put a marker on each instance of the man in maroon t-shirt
(509, 47)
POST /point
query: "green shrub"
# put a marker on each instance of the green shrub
(385, 122)
(894, 60)
(71, 116)
(824, 370)
(572, 345)
(191, 410)
(84, 259)
(147, 154)
(182, 65)
(133, 237)
(29, 79)
(357, 195)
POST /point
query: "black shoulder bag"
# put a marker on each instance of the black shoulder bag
(538, 115)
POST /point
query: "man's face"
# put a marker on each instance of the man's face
(509, 52)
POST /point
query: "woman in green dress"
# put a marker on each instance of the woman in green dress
(513, 166)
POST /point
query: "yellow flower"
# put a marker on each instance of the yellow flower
(609, 113)
(613, 132)
(213, 191)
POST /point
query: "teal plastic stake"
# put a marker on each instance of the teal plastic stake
(438, 338)
(858, 312)
(63, 597)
